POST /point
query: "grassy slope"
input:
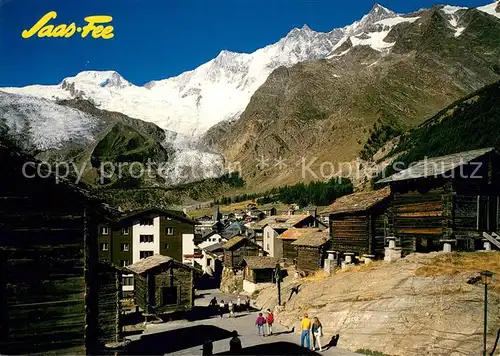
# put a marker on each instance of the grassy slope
(470, 123)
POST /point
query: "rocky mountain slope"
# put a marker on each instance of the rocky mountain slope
(420, 305)
(75, 131)
(398, 70)
(216, 91)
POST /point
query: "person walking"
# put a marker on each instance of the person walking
(269, 321)
(235, 344)
(222, 305)
(231, 309)
(238, 303)
(305, 331)
(207, 349)
(317, 333)
(260, 324)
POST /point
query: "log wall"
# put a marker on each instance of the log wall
(309, 259)
(351, 233)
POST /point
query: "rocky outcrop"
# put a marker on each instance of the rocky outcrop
(395, 309)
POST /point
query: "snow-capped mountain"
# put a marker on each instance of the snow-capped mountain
(220, 89)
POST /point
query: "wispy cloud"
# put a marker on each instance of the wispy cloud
(3, 2)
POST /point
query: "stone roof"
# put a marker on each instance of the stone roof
(312, 241)
(148, 263)
(433, 167)
(280, 221)
(214, 247)
(306, 232)
(358, 201)
(233, 242)
(260, 262)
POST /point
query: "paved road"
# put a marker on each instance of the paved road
(189, 335)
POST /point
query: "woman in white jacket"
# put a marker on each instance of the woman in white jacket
(317, 333)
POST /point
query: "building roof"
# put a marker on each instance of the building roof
(312, 241)
(358, 201)
(309, 207)
(174, 214)
(260, 262)
(233, 242)
(148, 263)
(433, 167)
(218, 246)
(154, 261)
(280, 221)
(306, 232)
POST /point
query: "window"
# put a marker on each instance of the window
(144, 254)
(124, 263)
(128, 281)
(170, 230)
(169, 218)
(104, 246)
(167, 246)
(169, 295)
(267, 247)
(125, 247)
(125, 231)
(146, 222)
(104, 230)
(146, 238)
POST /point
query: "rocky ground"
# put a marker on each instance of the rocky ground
(423, 304)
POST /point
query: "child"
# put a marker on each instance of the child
(222, 305)
(231, 309)
(270, 321)
(260, 324)
(317, 332)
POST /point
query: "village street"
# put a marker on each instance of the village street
(184, 337)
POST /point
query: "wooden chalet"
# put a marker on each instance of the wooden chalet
(290, 236)
(237, 248)
(163, 285)
(258, 271)
(50, 280)
(453, 198)
(358, 222)
(311, 250)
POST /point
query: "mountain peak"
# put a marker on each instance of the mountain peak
(306, 28)
(102, 78)
(377, 8)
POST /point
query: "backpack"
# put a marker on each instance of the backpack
(270, 318)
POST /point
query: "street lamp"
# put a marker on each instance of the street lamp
(486, 277)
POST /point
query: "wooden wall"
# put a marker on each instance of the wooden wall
(419, 219)
(351, 233)
(233, 258)
(109, 310)
(183, 279)
(289, 250)
(259, 275)
(309, 259)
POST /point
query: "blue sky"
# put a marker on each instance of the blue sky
(156, 39)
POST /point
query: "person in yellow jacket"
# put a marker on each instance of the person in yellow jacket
(305, 328)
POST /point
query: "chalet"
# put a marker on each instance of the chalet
(311, 249)
(258, 272)
(274, 226)
(269, 211)
(358, 222)
(237, 248)
(213, 256)
(142, 233)
(288, 237)
(445, 201)
(50, 278)
(163, 285)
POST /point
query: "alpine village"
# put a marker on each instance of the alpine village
(360, 184)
